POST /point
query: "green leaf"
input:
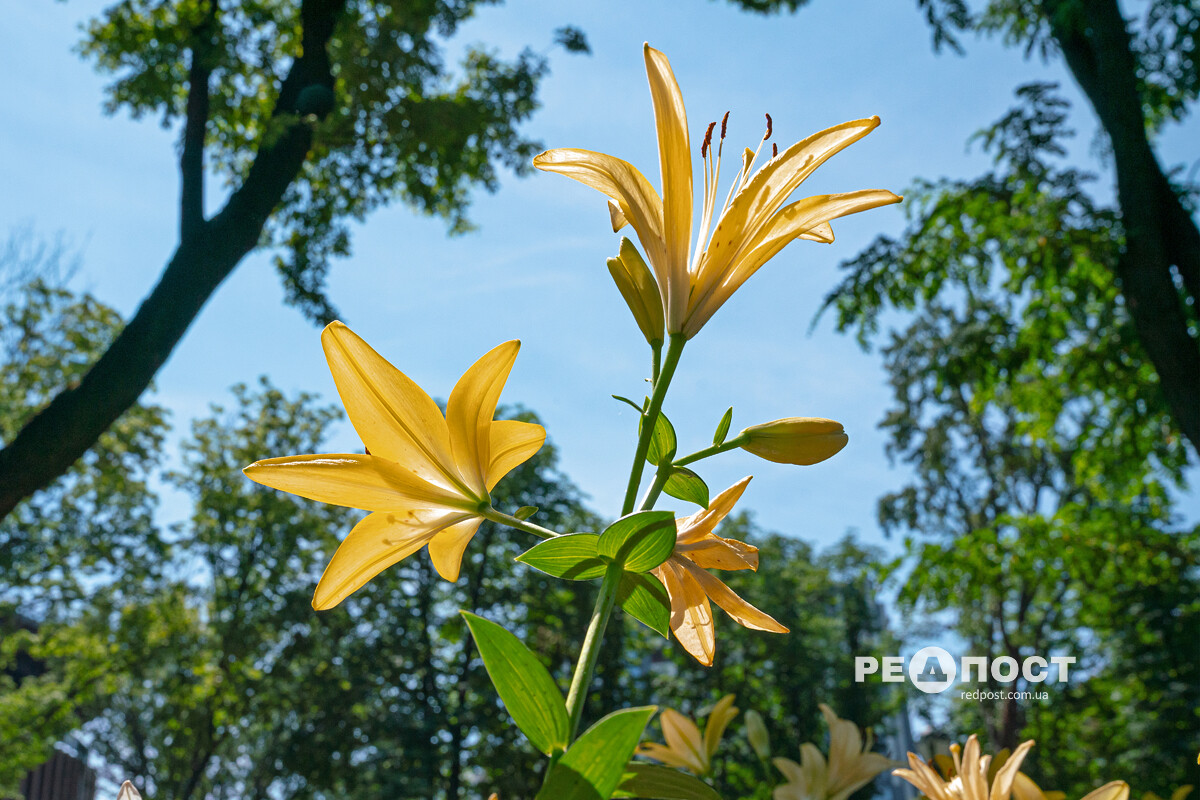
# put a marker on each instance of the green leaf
(525, 512)
(687, 485)
(723, 427)
(595, 764)
(633, 405)
(656, 782)
(531, 696)
(639, 541)
(662, 443)
(572, 557)
(645, 599)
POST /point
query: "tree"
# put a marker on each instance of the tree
(316, 112)
(1043, 456)
(1138, 76)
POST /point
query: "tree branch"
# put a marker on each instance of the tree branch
(191, 159)
(1158, 230)
(62, 432)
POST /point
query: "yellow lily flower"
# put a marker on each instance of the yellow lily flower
(975, 780)
(685, 747)
(851, 764)
(751, 227)
(690, 586)
(424, 477)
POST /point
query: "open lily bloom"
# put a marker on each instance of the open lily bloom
(690, 585)
(424, 477)
(685, 747)
(976, 777)
(851, 764)
(752, 226)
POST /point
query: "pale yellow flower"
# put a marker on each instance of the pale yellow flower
(748, 230)
(425, 477)
(685, 746)
(1179, 794)
(975, 779)
(850, 766)
(756, 733)
(690, 585)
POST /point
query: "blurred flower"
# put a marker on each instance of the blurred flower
(1179, 794)
(685, 747)
(424, 477)
(756, 732)
(795, 440)
(851, 764)
(637, 286)
(128, 792)
(690, 586)
(980, 777)
(751, 227)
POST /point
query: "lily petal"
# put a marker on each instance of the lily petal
(393, 416)
(683, 737)
(664, 754)
(691, 615)
(1002, 784)
(375, 543)
(694, 527)
(675, 160)
(351, 479)
(718, 719)
(713, 552)
(513, 443)
(622, 183)
(470, 410)
(1115, 790)
(446, 549)
(745, 614)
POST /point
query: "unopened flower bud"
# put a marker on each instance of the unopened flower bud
(795, 440)
(756, 732)
(637, 285)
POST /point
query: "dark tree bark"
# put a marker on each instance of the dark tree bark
(1159, 231)
(208, 251)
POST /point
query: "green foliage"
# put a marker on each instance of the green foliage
(723, 426)
(1043, 457)
(595, 763)
(645, 599)
(572, 557)
(663, 443)
(665, 783)
(529, 693)
(403, 124)
(640, 541)
(687, 485)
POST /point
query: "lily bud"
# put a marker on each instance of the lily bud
(795, 440)
(636, 282)
(756, 732)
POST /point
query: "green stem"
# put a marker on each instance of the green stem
(650, 418)
(586, 665)
(656, 365)
(519, 524)
(652, 493)
(716, 449)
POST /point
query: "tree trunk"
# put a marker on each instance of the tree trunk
(61, 433)
(1159, 232)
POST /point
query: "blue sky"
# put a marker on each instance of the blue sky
(534, 269)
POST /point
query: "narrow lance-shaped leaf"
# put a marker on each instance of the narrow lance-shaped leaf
(723, 427)
(525, 512)
(662, 444)
(687, 485)
(572, 557)
(663, 783)
(639, 541)
(531, 696)
(595, 764)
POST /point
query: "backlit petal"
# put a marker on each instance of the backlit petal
(1116, 790)
(718, 719)
(691, 616)
(513, 443)
(664, 754)
(393, 416)
(351, 479)
(683, 737)
(744, 613)
(470, 410)
(622, 183)
(446, 549)
(1002, 784)
(713, 552)
(376, 542)
(694, 527)
(675, 160)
